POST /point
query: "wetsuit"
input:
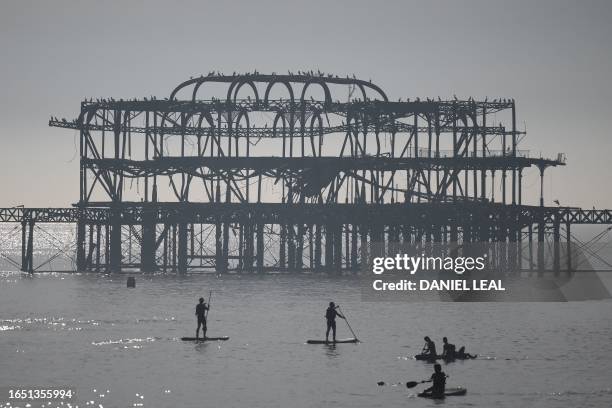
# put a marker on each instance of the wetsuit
(201, 309)
(330, 315)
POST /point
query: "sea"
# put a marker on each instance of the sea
(120, 347)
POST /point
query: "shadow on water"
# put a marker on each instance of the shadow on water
(201, 346)
(331, 350)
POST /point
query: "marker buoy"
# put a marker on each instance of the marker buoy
(131, 282)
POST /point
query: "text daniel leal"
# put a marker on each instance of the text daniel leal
(442, 284)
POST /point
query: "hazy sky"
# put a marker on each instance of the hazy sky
(553, 57)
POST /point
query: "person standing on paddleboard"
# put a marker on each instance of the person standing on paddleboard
(330, 315)
(200, 312)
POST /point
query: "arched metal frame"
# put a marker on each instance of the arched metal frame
(357, 169)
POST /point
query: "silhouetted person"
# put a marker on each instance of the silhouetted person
(330, 315)
(461, 354)
(439, 383)
(429, 349)
(200, 312)
(448, 350)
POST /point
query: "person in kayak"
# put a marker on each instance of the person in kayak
(330, 316)
(429, 349)
(448, 350)
(200, 312)
(438, 378)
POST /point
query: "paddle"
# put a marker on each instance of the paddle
(412, 384)
(206, 312)
(409, 384)
(209, 296)
(347, 323)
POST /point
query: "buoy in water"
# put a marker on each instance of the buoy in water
(131, 282)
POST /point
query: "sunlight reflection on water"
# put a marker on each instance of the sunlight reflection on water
(121, 347)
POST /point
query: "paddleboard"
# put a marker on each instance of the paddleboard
(206, 339)
(332, 342)
(427, 357)
(449, 392)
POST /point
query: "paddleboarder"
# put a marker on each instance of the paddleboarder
(429, 349)
(330, 316)
(448, 350)
(439, 383)
(200, 312)
(462, 355)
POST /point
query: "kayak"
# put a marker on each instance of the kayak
(450, 392)
(427, 357)
(205, 339)
(332, 342)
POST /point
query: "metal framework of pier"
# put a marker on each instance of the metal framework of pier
(298, 172)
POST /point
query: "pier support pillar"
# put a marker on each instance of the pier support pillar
(260, 247)
(147, 248)
(80, 237)
(338, 248)
(363, 246)
(27, 246)
(218, 247)
(568, 247)
(282, 260)
(354, 244)
(541, 265)
(182, 247)
(329, 247)
(556, 245)
(291, 247)
(299, 251)
(317, 248)
(115, 256)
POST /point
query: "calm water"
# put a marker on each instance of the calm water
(119, 346)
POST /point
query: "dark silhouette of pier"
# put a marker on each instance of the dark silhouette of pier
(299, 172)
